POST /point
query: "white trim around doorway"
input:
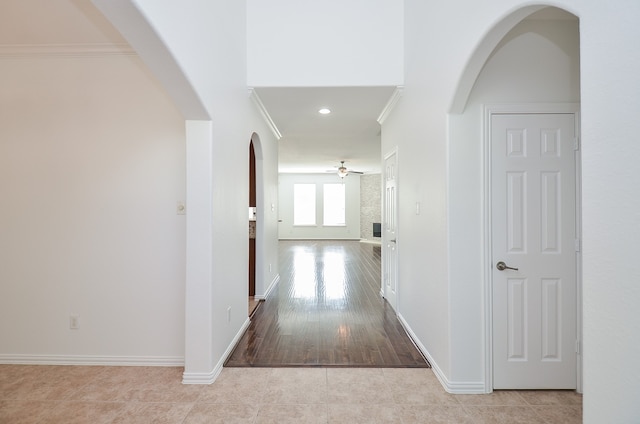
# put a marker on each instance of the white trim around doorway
(383, 290)
(530, 108)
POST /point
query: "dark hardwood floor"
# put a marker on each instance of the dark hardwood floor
(326, 311)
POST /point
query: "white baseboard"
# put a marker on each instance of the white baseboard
(466, 387)
(272, 285)
(454, 387)
(210, 377)
(121, 361)
(200, 377)
(319, 238)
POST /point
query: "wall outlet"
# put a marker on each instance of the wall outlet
(74, 322)
(229, 314)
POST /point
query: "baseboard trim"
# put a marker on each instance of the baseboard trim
(210, 377)
(200, 377)
(269, 289)
(319, 238)
(466, 387)
(121, 361)
(454, 387)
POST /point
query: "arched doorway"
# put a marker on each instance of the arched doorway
(252, 228)
(527, 65)
(256, 224)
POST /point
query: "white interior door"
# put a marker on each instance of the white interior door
(533, 186)
(389, 224)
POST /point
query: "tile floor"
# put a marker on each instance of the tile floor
(83, 394)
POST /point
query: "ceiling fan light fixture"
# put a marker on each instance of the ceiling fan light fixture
(324, 111)
(342, 170)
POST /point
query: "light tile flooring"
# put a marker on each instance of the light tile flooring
(82, 394)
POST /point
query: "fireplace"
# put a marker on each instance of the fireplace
(377, 229)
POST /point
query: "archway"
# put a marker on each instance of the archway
(529, 59)
(256, 223)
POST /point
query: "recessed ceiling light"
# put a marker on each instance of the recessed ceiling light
(324, 111)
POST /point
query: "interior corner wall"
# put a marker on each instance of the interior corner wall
(208, 42)
(422, 299)
(370, 204)
(92, 165)
(417, 127)
(351, 231)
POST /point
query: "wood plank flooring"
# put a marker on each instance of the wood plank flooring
(326, 311)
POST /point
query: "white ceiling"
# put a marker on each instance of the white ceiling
(310, 142)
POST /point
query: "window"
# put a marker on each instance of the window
(304, 204)
(334, 202)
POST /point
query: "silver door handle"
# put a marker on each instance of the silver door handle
(502, 266)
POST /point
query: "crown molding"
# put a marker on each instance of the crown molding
(265, 114)
(393, 100)
(65, 50)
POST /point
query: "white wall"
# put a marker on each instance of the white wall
(443, 172)
(441, 44)
(417, 128)
(442, 41)
(537, 62)
(92, 163)
(610, 65)
(293, 43)
(352, 208)
(207, 43)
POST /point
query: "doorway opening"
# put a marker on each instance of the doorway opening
(505, 72)
(253, 303)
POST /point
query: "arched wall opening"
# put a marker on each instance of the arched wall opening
(484, 49)
(531, 57)
(261, 212)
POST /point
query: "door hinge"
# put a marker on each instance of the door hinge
(578, 245)
(578, 347)
(576, 143)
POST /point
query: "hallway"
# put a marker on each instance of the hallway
(326, 311)
(325, 315)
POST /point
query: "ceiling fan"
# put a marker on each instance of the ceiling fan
(343, 171)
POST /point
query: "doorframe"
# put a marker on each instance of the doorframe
(261, 216)
(527, 108)
(383, 289)
(252, 199)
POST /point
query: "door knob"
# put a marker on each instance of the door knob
(502, 266)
